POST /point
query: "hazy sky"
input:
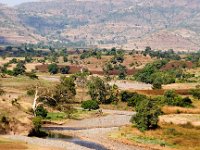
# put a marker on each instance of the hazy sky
(15, 2)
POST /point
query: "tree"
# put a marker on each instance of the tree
(65, 59)
(64, 70)
(53, 68)
(173, 99)
(195, 93)
(147, 115)
(90, 104)
(20, 69)
(97, 89)
(65, 91)
(157, 83)
(41, 112)
(125, 96)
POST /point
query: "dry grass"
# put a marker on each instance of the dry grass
(167, 137)
(175, 110)
(6, 144)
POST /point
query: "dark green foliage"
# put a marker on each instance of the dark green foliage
(53, 68)
(65, 59)
(132, 98)
(41, 112)
(145, 75)
(135, 99)
(170, 54)
(97, 89)
(195, 93)
(28, 59)
(147, 115)
(125, 96)
(20, 69)
(173, 99)
(36, 130)
(64, 70)
(157, 83)
(31, 75)
(66, 90)
(90, 104)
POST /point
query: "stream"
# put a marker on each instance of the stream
(75, 140)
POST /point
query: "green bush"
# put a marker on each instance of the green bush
(135, 99)
(195, 93)
(173, 99)
(36, 130)
(125, 95)
(147, 115)
(53, 68)
(41, 112)
(90, 104)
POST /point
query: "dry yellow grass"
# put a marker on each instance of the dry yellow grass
(167, 137)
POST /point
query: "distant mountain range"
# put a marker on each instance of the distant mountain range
(130, 24)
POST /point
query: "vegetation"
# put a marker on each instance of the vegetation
(36, 130)
(53, 68)
(195, 93)
(147, 115)
(90, 105)
(173, 99)
(41, 112)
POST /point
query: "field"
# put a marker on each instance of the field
(178, 126)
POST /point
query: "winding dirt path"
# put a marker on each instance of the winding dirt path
(98, 129)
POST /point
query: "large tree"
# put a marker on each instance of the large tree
(97, 89)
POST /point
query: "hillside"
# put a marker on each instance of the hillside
(12, 30)
(130, 24)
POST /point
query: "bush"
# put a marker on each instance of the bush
(53, 68)
(64, 70)
(4, 120)
(147, 115)
(135, 99)
(195, 93)
(90, 104)
(173, 99)
(125, 95)
(36, 130)
(41, 112)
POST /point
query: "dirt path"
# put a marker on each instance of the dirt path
(98, 129)
(95, 130)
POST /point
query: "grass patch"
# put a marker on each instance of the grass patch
(165, 137)
(56, 116)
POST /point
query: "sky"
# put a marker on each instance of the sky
(15, 2)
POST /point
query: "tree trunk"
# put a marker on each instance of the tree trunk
(35, 101)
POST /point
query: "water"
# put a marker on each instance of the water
(88, 144)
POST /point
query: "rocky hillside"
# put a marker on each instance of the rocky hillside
(131, 24)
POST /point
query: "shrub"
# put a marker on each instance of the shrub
(41, 112)
(147, 115)
(135, 99)
(36, 130)
(30, 92)
(195, 93)
(64, 70)
(90, 104)
(125, 95)
(53, 68)
(173, 99)
(4, 120)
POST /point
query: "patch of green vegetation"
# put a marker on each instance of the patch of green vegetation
(149, 140)
(56, 116)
